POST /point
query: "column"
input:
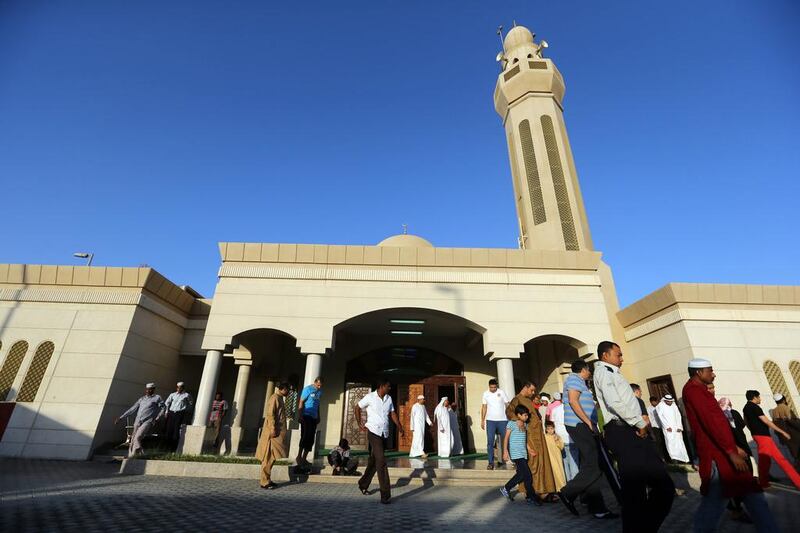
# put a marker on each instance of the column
(313, 368)
(313, 371)
(505, 376)
(240, 394)
(268, 395)
(208, 387)
(239, 399)
(192, 440)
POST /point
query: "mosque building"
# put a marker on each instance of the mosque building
(78, 343)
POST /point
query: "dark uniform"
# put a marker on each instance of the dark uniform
(640, 468)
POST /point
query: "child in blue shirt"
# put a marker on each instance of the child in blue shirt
(516, 449)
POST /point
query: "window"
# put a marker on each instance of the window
(776, 381)
(35, 373)
(11, 366)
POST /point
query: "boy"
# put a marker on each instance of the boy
(516, 449)
(554, 447)
(339, 459)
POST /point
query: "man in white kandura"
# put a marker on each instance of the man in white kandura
(419, 418)
(457, 448)
(669, 418)
(442, 418)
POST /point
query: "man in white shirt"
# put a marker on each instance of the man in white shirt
(570, 451)
(493, 417)
(647, 489)
(419, 417)
(179, 406)
(379, 407)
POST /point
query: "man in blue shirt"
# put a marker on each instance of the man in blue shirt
(308, 407)
(580, 419)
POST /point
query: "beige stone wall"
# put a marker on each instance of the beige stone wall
(113, 329)
(737, 327)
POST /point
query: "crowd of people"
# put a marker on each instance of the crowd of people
(563, 448)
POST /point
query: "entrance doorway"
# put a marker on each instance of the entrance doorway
(661, 386)
(412, 371)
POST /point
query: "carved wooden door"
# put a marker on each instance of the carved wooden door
(354, 392)
(406, 398)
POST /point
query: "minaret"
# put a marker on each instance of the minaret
(528, 97)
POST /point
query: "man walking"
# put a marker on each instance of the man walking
(379, 407)
(493, 417)
(544, 482)
(419, 418)
(271, 446)
(580, 420)
(309, 407)
(178, 406)
(148, 411)
(640, 468)
(724, 467)
(759, 426)
(784, 418)
(671, 424)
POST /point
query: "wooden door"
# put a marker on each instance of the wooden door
(406, 398)
(354, 392)
(661, 386)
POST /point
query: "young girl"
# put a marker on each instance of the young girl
(516, 449)
(554, 446)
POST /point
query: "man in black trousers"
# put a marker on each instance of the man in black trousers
(625, 431)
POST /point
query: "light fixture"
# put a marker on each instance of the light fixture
(405, 332)
(85, 255)
(406, 321)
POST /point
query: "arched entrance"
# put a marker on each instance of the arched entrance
(546, 362)
(421, 351)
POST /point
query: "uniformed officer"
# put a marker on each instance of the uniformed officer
(625, 433)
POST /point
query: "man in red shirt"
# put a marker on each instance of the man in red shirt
(725, 470)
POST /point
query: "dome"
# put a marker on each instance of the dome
(405, 241)
(518, 36)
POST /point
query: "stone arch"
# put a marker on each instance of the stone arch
(545, 361)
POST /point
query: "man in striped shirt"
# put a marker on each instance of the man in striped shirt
(580, 419)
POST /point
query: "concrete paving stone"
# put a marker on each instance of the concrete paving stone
(38, 495)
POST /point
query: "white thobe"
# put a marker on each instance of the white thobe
(457, 448)
(669, 417)
(445, 442)
(419, 417)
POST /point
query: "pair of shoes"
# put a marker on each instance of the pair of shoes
(569, 504)
(489, 467)
(608, 515)
(365, 492)
(536, 500)
(506, 494)
(270, 486)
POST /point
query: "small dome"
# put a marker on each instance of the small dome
(405, 241)
(518, 36)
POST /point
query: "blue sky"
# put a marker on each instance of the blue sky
(146, 132)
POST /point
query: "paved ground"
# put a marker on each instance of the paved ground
(68, 496)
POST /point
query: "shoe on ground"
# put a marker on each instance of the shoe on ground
(387, 501)
(365, 492)
(270, 486)
(608, 515)
(506, 494)
(489, 467)
(569, 504)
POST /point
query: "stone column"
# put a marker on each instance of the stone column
(313, 368)
(192, 441)
(505, 376)
(239, 399)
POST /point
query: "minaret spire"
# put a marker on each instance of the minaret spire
(529, 98)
